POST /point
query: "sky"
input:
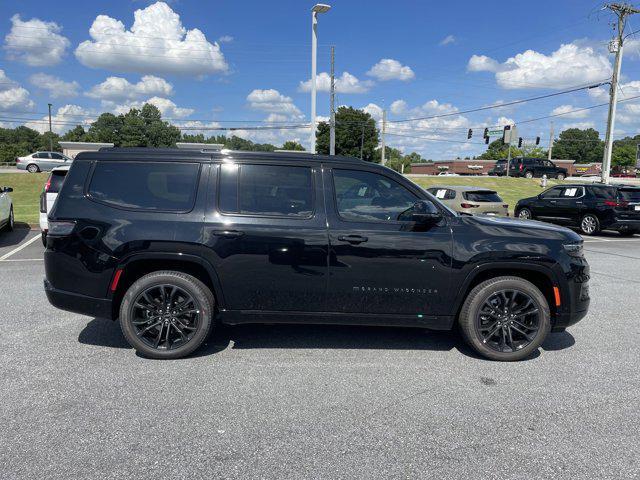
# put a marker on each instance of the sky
(224, 63)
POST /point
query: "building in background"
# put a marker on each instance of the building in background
(482, 167)
(71, 149)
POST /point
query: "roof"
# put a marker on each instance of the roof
(64, 168)
(175, 154)
(463, 188)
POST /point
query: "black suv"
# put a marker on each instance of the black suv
(170, 241)
(529, 168)
(589, 207)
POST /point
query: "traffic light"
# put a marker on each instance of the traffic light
(486, 140)
(506, 134)
(469, 134)
(486, 132)
(519, 142)
(537, 140)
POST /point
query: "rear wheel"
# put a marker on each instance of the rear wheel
(528, 174)
(166, 314)
(505, 318)
(628, 232)
(10, 221)
(525, 214)
(590, 225)
(33, 168)
(560, 176)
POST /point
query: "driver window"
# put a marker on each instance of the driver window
(552, 193)
(370, 197)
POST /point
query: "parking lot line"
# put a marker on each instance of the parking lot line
(23, 260)
(19, 247)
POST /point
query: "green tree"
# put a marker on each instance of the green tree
(624, 152)
(107, 128)
(292, 145)
(355, 130)
(583, 146)
(76, 134)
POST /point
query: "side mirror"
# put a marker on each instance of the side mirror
(425, 212)
(7, 189)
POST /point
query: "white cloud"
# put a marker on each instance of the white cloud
(156, 43)
(56, 87)
(66, 118)
(35, 42)
(117, 89)
(272, 101)
(195, 127)
(374, 110)
(567, 112)
(399, 107)
(346, 83)
(390, 69)
(225, 39)
(580, 125)
(502, 121)
(448, 40)
(13, 97)
(167, 108)
(571, 64)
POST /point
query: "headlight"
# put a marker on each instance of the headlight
(574, 249)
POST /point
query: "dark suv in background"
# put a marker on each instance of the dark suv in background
(529, 168)
(591, 208)
(170, 241)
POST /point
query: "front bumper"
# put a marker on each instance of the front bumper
(77, 303)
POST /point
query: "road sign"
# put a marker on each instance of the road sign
(494, 132)
(511, 135)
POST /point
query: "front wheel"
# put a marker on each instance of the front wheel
(505, 318)
(525, 214)
(590, 225)
(33, 168)
(166, 314)
(10, 221)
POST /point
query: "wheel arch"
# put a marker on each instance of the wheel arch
(138, 265)
(542, 277)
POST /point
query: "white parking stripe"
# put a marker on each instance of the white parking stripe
(19, 247)
(23, 260)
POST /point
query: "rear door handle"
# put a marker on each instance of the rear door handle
(228, 233)
(355, 239)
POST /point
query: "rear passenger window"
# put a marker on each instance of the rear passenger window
(443, 193)
(165, 186)
(271, 190)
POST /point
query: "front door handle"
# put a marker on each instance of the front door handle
(354, 239)
(228, 233)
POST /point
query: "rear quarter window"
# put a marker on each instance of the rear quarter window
(482, 196)
(161, 186)
(630, 195)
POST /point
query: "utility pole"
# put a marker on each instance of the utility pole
(332, 107)
(50, 132)
(384, 130)
(622, 11)
(550, 142)
(362, 140)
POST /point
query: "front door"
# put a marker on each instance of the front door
(379, 264)
(546, 205)
(267, 236)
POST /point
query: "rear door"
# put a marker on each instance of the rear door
(379, 264)
(569, 206)
(265, 229)
(629, 203)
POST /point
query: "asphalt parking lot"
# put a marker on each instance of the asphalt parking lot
(317, 402)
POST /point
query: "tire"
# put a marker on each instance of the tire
(512, 339)
(528, 174)
(44, 239)
(525, 214)
(187, 331)
(589, 224)
(10, 221)
(33, 168)
(560, 176)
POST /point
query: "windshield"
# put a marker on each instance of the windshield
(630, 195)
(487, 196)
(56, 181)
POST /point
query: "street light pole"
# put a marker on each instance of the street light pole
(318, 8)
(50, 132)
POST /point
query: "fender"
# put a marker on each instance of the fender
(513, 264)
(180, 257)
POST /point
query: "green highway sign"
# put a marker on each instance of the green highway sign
(495, 131)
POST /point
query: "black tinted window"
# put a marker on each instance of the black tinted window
(56, 156)
(572, 192)
(603, 193)
(41, 155)
(365, 196)
(552, 193)
(56, 181)
(487, 196)
(147, 186)
(266, 190)
(630, 195)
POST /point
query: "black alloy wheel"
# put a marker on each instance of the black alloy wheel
(166, 314)
(505, 318)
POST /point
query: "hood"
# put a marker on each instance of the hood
(532, 228)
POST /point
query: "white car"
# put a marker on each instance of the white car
(48, 197)
(42, 161)
(448, 174)
(6, 209)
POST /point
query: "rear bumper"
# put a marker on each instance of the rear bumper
(623, 222)
(74, 302)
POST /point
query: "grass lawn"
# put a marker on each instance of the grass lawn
(510, 189)
(25, 195)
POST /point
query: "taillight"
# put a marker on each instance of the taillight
(615, 203)
(61, 228)
(505, 205)
(469, 205)
(521, 167)
(47, 185)
(43, 202)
